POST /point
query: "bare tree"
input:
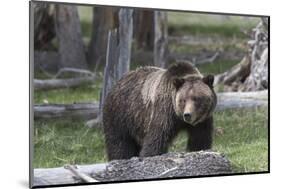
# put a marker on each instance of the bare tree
(118, 52)
(160, 38)
(104, 19)
(118, 56)
(144, 29)
(44, 30)
(68, 31)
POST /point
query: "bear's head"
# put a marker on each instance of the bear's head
(194, 99)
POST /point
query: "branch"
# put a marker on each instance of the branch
(82, 176)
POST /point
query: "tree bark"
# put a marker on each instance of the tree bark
(160, 38)
(258, 78)
(170, 165)
(68, 31)
(118, 53)
(44, 29)
(104, 19)
(144, 29)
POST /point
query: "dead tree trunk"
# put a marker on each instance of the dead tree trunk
(160, 38)
(117, 57)
(44, 29)
(258, 78)
(170, 165)
(251, 73)
(144, 29)
(125, 34)
(68, 31)
(104, 19)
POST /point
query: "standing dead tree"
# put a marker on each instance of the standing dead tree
(104, 19)
(44, 30)
(117, 57)
(160, 38)
(144, 29)
(252, 72)
(68, 31)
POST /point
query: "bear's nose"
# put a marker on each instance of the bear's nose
(187, 116)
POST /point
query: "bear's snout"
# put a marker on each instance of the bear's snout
(187, 116)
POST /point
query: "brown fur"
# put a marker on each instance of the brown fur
(141, 115)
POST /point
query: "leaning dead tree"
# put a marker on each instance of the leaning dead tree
(69, 35)
(118, 56)
(86, 111)
(170, 165)
(251, 73)
(118, 52)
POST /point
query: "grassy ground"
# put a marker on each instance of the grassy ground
(240, 134)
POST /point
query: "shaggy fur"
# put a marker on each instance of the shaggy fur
(144, 111)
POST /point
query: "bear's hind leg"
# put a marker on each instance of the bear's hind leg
(121, 148)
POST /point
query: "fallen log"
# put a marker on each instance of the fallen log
(87, 111)
(170, 165)
(81, 111)
(61, 175)
(234, 100)
(49, 84)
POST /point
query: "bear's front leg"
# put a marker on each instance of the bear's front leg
(200, 137)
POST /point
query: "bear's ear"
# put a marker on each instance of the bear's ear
(182, 69)
(178, 82)
(209, 80)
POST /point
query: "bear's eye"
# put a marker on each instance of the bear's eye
(196, 98)
(182, 101)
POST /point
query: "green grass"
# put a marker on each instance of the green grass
(196, 24)
(217, 67)
(242, 138)
(62, 142)
(85, 93)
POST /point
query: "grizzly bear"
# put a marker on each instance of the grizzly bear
(147, 107)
